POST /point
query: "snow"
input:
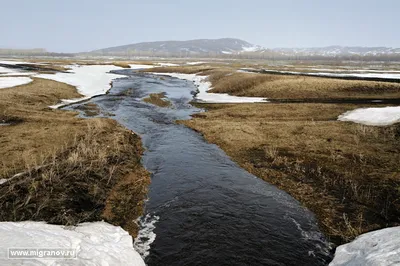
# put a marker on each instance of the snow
(380, 247)
(12, 62)
(8, 82)
(203, 85)
(253, 48)
(95, 243)
(134, 66)
(378, 116)
(6, 70)
(167, 64)
(195, 63)
(90, 80)
(17, 74)
(226, 52)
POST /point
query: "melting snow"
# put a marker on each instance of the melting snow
(95, 243)
(8, 82)
(195, 63)
(380, 247)
(379, 116)
(90, 80)
(204, 96)
(167, 64)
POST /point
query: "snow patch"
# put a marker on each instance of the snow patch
(379, 116)
(17, 74)
(167, 64)
(195, 63)
(8, 82)
(90, 80)
(97, 243)
(204, 96)
(381, 247)
(134, 66)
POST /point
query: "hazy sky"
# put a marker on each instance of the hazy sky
(83, 25)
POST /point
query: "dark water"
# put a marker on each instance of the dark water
(209, 210)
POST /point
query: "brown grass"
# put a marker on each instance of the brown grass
(157, 99)
(179, 69)
(299, 87)
(347, 174)
(90, 109)
(226, 79)
(71, 170)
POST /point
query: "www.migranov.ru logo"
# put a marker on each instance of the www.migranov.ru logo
(41, 253)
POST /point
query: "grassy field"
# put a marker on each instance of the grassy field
(69, 170)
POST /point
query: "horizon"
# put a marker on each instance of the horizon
(76, 26)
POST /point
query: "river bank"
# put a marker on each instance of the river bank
(346, 173)
(62, 169)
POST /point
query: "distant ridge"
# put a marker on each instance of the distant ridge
(191, 47)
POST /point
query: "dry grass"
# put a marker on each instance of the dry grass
(299, 87)
(157, 99)
(179, 69)
(71, 170)
(98, 171)
(226, 79)
(90, 109)
(347, 174)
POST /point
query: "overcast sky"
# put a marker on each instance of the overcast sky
(84, 25)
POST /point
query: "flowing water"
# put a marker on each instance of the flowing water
(203, 209)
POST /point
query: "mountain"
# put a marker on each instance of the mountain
(333, 51)
(192, 47)
(236, 48)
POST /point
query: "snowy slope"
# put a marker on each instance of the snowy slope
(378, 248)
(96, 243)
(8, 82)
(380, 116)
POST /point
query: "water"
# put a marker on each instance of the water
(203, 209)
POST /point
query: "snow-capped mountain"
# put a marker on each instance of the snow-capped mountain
(191, 47)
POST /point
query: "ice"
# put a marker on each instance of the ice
(203, 85)
(8, 82)
(96, 243)
(380, 247)
(378, 116)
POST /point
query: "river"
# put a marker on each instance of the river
(202, 208)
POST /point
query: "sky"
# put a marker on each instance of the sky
(85, 25)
